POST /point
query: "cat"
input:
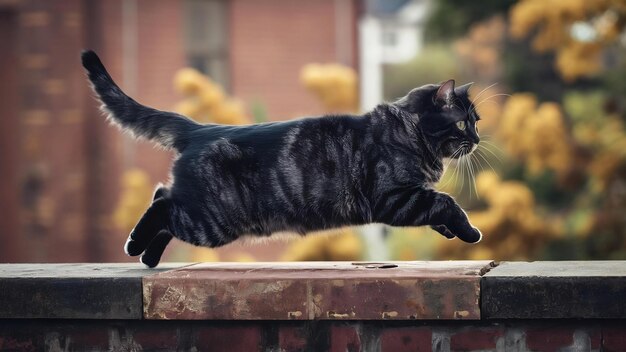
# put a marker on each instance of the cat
(301, 175)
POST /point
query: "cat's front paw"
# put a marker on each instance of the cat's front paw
(473, 235)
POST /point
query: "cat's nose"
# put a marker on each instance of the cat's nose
(474, 138)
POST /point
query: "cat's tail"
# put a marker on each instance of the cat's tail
(168, 129)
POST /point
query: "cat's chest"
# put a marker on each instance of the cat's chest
(431, 171)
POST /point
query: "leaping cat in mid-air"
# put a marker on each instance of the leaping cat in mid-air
(302, 175)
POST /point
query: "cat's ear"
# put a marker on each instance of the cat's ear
(445, 94)
(464, 89)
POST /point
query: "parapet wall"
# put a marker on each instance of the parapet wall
(329, 306)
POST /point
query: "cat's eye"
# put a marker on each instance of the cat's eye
(461, 125)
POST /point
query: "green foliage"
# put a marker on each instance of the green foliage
(527, 71)
(450, 19)
(584, 107)
(547, 190)
(412, 243)
(613, 79)
(258, 111)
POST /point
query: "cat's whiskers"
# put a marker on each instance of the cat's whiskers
(488, 145)
(474, 170)
(479, 154)
(463, 164)
(450, 160)
(452, 180)
(462, 172)
(456, 152)
(475, 107)
(481, 92)
(463, 168)
(493, 96)
(490, 142)
(447, 164)
(470, 163)
(474, 164)
(470, 172)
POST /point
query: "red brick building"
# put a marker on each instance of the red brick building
(60, 162)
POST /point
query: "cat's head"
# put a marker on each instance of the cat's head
(446, 116)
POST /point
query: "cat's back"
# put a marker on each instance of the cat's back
(244, 135)
(272, 136)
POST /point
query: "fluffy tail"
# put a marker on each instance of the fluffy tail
(169, 129)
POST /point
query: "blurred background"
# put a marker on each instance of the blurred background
(548, 182)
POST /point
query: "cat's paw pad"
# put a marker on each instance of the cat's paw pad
(471, 235)
(131, 248)
(476, 237)
(149, 261)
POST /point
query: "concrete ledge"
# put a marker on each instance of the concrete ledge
(237, 291)
(458, 290)
(73, 291)
(555, 290)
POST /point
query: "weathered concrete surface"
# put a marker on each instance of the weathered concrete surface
(73, 291)
(322, 290)
(548, 290)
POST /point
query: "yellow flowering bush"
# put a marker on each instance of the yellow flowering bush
(333, 84)
(481, 47)
(135, 198)
(576, 30)
(601, 134)
(205, 101)
(337, 245)
(537, 134)
(512, 228)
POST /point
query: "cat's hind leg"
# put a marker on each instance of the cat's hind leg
(155, 219)
(153, 253)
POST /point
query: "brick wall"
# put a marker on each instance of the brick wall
(48, 140)
(271, 40)
(332, 306)
(64, 163)
(9, 131)
(540, 336)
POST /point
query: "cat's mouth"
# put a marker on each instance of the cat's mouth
(467, 148)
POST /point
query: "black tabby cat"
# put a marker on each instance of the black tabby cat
(301, 175)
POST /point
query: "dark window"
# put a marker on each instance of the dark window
(206, 38)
